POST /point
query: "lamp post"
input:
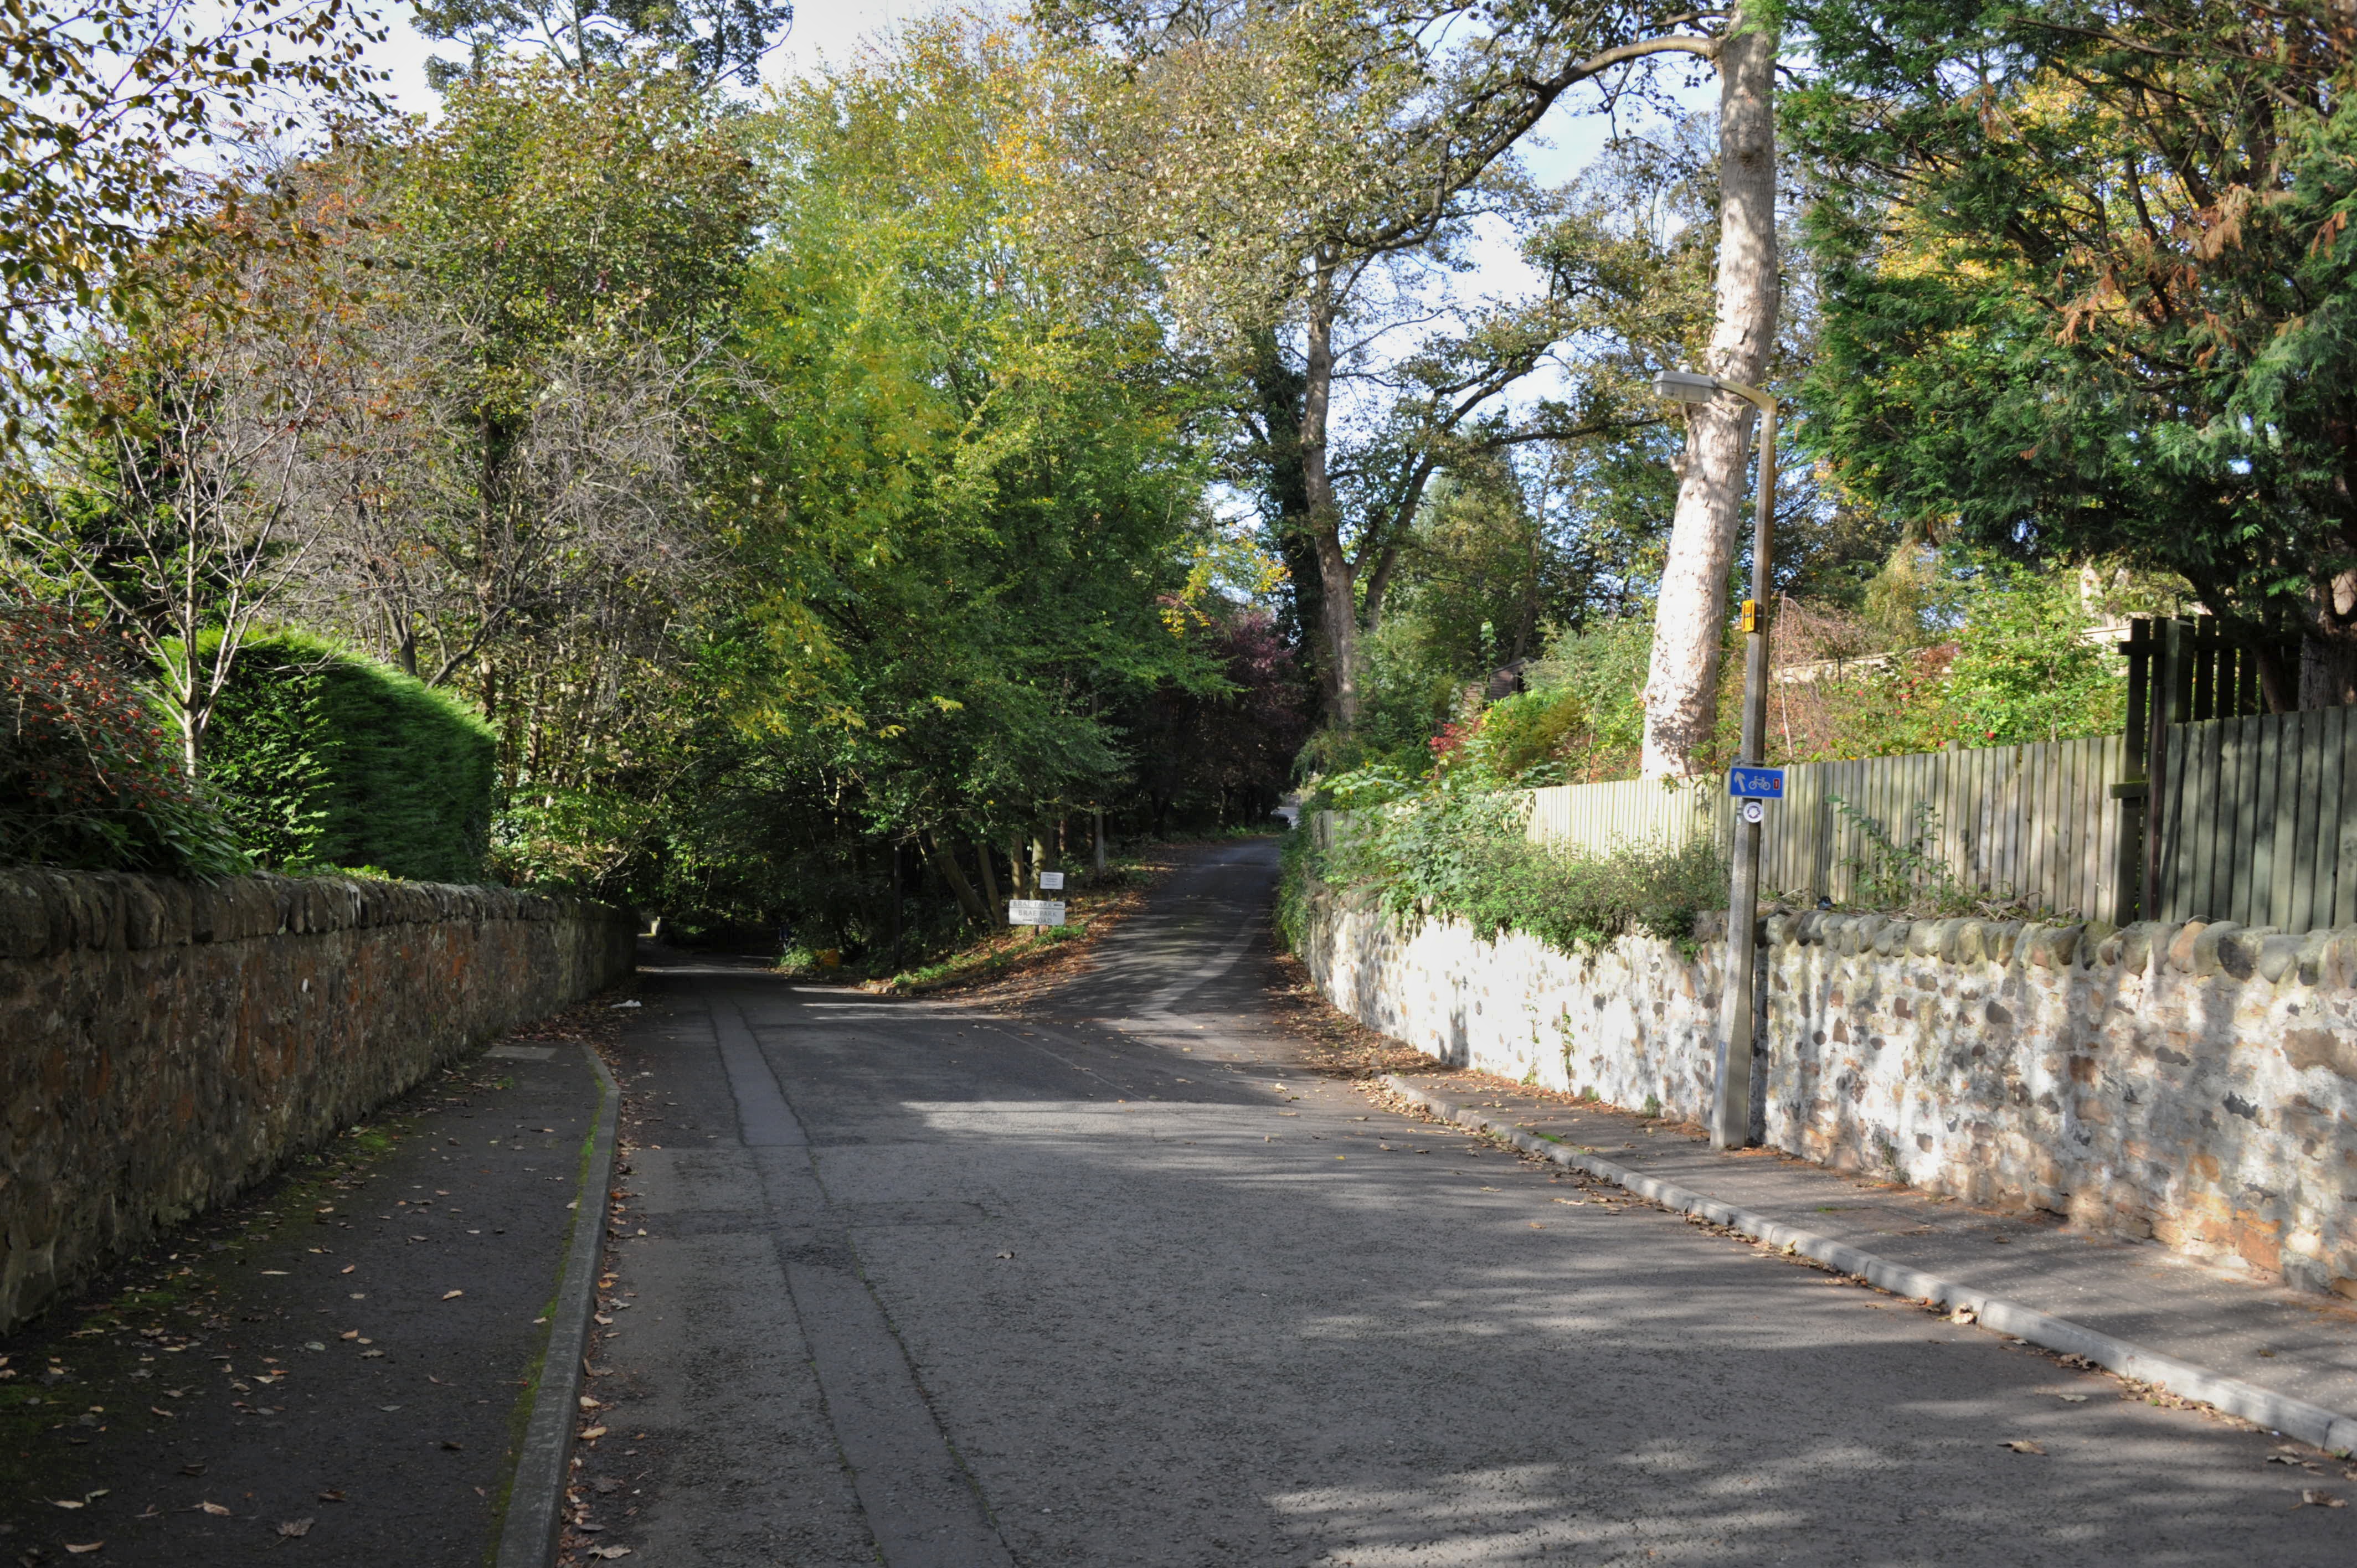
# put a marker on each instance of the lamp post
(1730, 1113)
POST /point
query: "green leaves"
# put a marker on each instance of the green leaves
(112, 113)
(967, 479)
(2090, 295)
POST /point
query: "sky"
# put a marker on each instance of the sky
(821, 29)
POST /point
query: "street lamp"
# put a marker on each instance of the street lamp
(1730, 1112)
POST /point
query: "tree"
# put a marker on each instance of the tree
(178, 513)
(1689, 617)
(1221, 756)
(715, 41)
(2095, 297)
(962, 484)
(112, 113)
(1291, 172)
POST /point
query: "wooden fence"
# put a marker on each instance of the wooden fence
(2223, 811)
(2258, 821)
(2036, 823)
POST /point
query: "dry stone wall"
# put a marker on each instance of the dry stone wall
(2195, 1084)
(164, 1045)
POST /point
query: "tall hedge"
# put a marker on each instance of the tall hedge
(321, 757)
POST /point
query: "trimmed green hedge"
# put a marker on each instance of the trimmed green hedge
(322, 757)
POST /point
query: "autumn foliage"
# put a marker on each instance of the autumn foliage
(88, 769)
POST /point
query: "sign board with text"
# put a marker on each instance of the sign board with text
(1035, 911)
(1756, 783)
(1052, 882)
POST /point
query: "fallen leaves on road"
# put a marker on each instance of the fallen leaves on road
(294, 1528)
(2316, 1496)
(332, 1497)
(2022, 1445)
(452, 1295)
(214, 1509)
(87, 1546)
(610, 1552)
(65, 1502)
(591, 1435)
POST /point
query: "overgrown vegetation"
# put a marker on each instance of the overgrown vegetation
(1460, 851)
(89, 776)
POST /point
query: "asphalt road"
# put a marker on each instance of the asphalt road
(1120, 1282)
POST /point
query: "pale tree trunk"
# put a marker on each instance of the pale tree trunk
(1337, 579)
(1682, 686)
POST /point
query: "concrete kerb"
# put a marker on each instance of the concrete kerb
(2279, 1412)
(535, 1511)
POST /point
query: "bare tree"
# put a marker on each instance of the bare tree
(180, 515)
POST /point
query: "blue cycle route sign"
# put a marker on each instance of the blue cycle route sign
(1756, 783)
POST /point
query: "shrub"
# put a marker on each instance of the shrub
(323, 757)
(1462, 851)
(1524, 738)
(90, 774)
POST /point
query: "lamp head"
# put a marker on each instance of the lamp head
(1684, 386)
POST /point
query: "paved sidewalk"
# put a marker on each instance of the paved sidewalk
(338, 1363)
(2287, 1341)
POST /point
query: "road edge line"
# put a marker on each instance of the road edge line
(536, 1513)
(2312, 1423)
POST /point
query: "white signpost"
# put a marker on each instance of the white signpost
(1035, 911)
(1052, 882)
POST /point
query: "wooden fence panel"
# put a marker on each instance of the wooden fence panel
(2032, 821)
(2256, 823)
(2257, 818)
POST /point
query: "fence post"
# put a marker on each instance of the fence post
(2133, 790)
(2169, 695)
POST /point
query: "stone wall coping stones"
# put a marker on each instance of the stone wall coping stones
(2327, 957)
(45, 911)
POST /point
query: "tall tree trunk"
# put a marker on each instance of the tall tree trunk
(1337, 608)
(944, 859)
(990, 884)
(2327, 655)
(1690, 616)
(1277, 392)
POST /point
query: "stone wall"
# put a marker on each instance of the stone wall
(164, 1045)
(2195, 1084)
